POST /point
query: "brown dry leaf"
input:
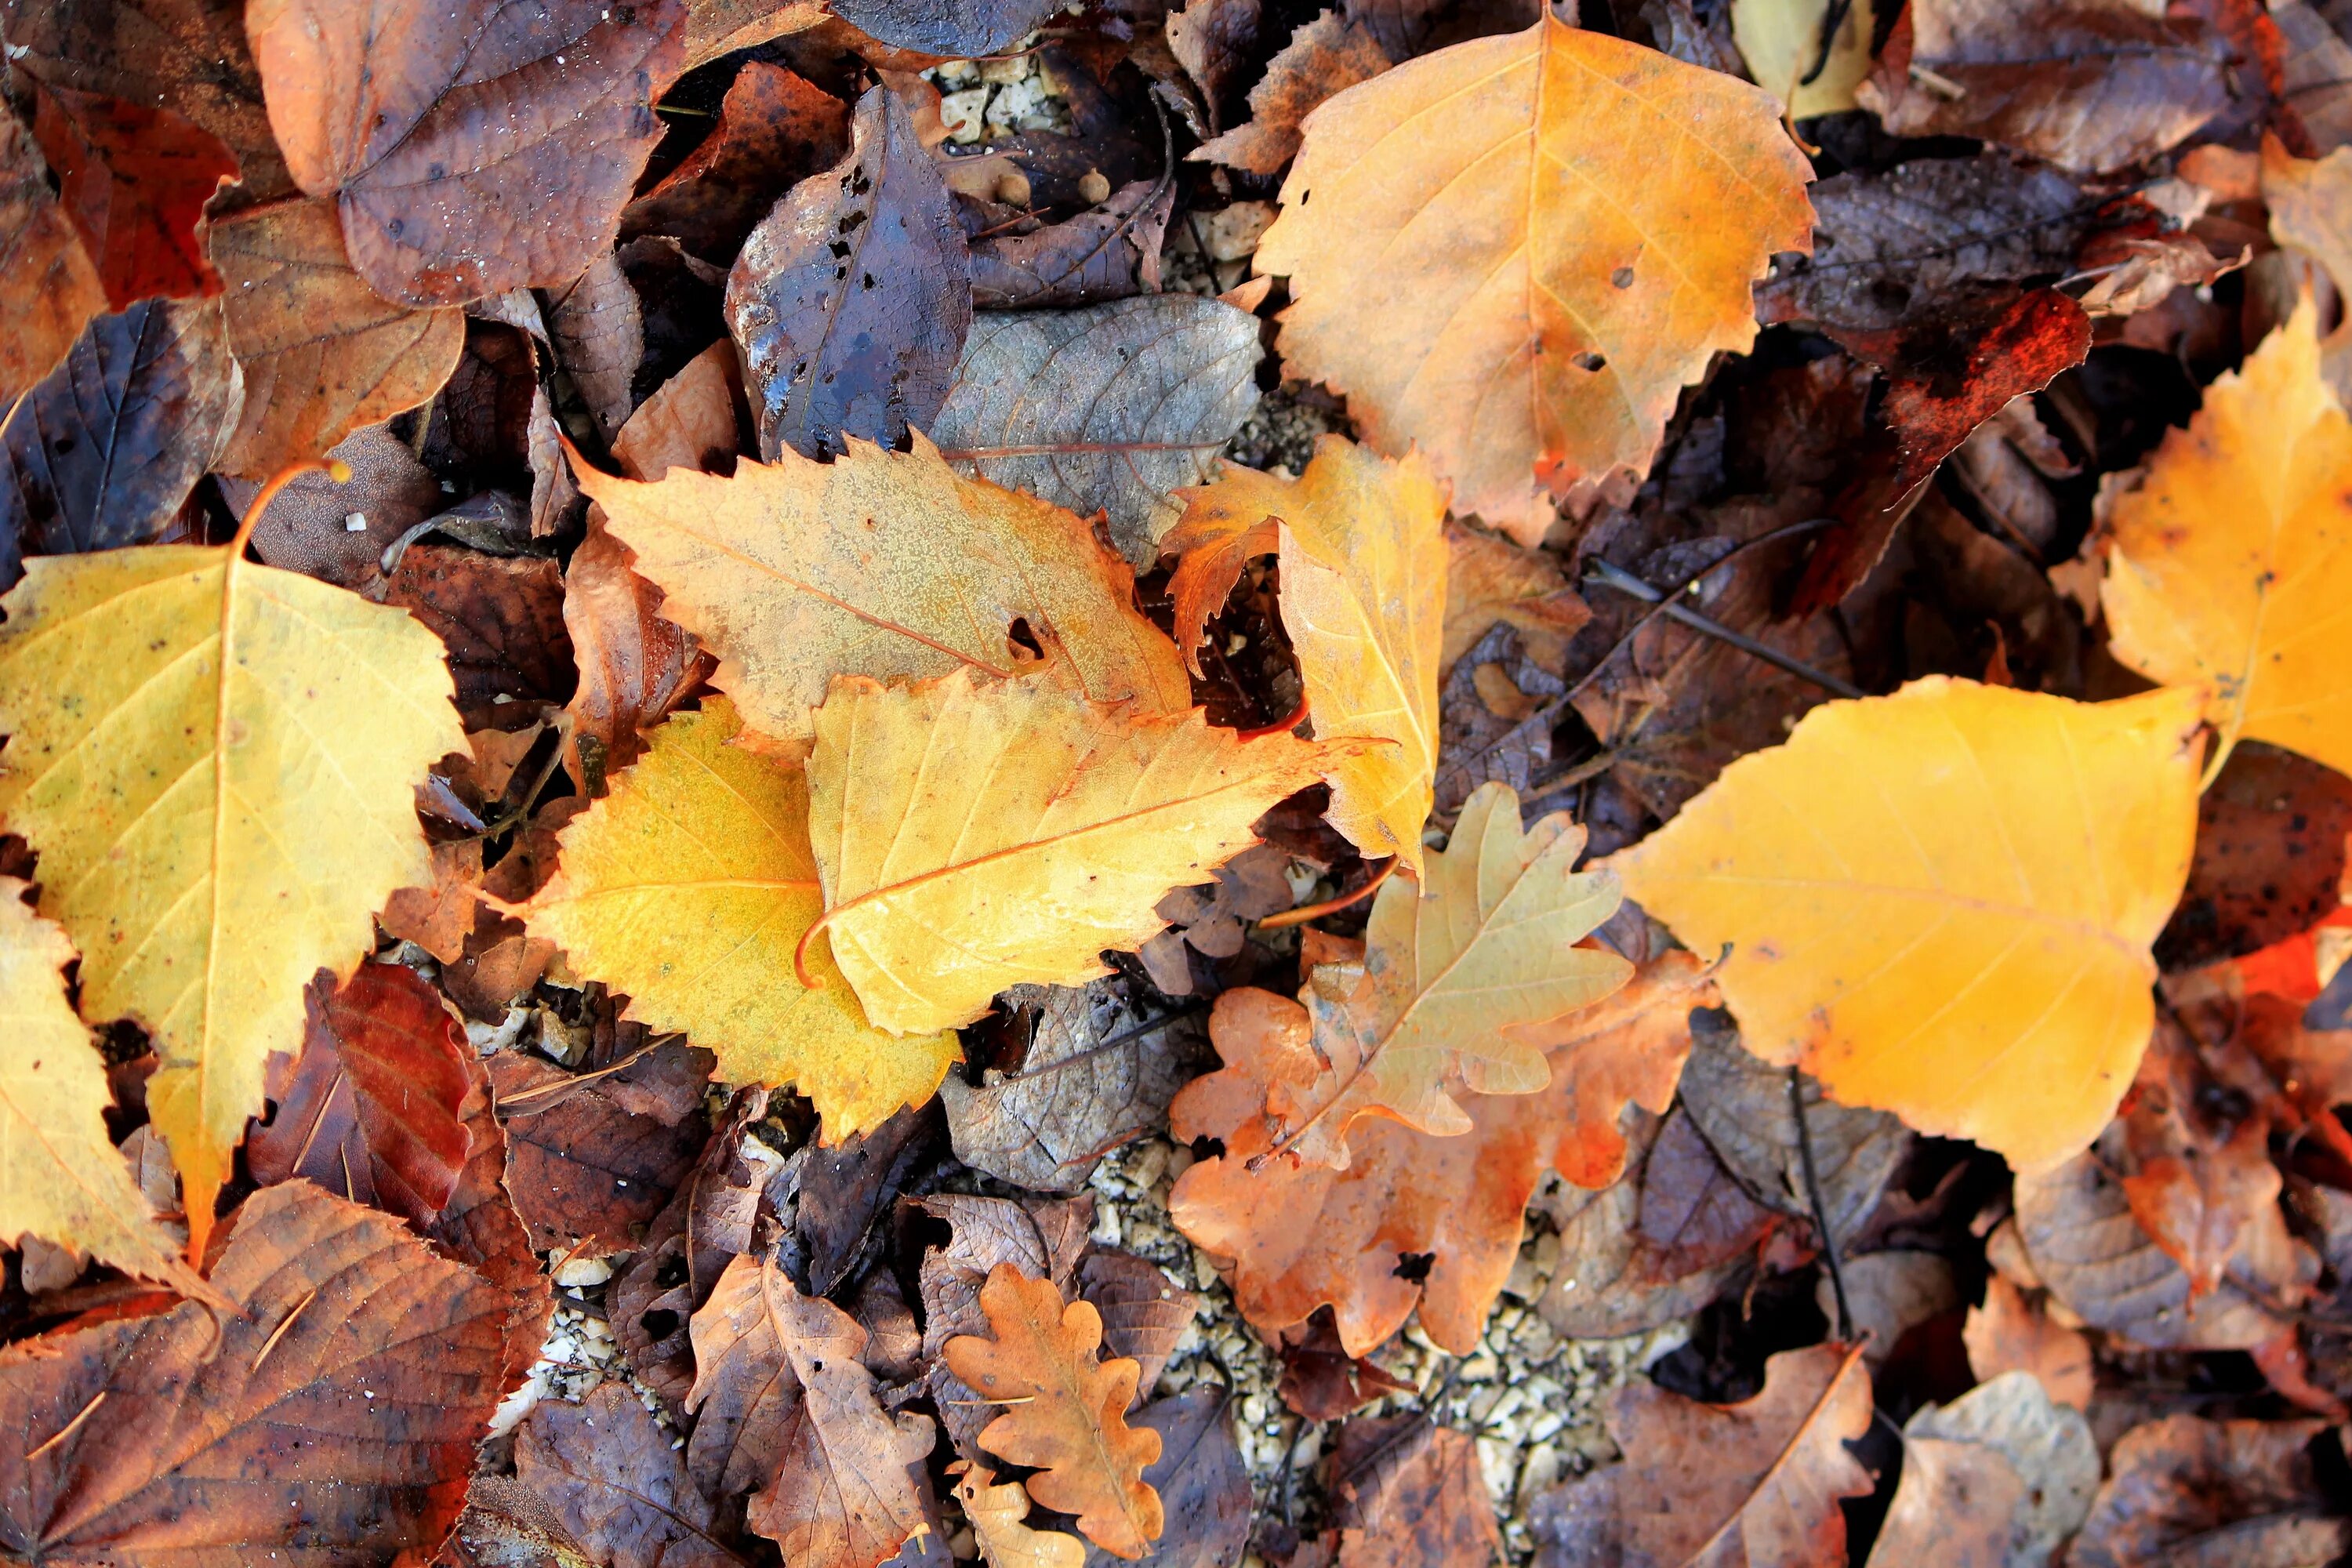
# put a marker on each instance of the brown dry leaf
(1586, 220)
(2049, 1445)
(583, 1166)
(1459, 1200)
(636, 664)
(500, 617)
(135, 179)
(332, 1416)
(693, 420)
(1951, 1509)
(784, 1404)
(1327, 56)
(774, 127)
(1491, 582)
(479, 1226)
(2008, 1333)
(2185, 1492)
(1411, 1495)
(616, 1485)
(371, 1110)
(469, 152)
(1043, 1240)
(889, 564)
(2203, 1188)
(997, 1513)
(973, 835)
(1144, 1317)
(1067, 1411)
(1108, 252)
(52, 286)
(596, 330)
(2270, 838)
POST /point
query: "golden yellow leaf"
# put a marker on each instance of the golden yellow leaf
(1363, 553)
(972, 835)
(882, 564)
(1456, 973)
(2231, 564)
(61, 1179)
(1516, 251)
(1940, 903)
(1782, 42)
(214, 831)
(687, 889)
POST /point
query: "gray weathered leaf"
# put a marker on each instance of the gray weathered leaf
(598, 333)
(1203, 1486)
(617, 1486)
(958, 28)
(2048, 1444)
(1110, 252)
(1475, 744)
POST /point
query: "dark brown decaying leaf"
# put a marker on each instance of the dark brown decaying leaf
(1321, 1381)
(439, 915)
(1327, 56)
(53, 284)
(847, 1191)
(1411, 1495)
(584, 1169)
(956, 28)
(1108, 252)
(103, 451)
(635, 664)
(134, 178)
(479, 1226)
(334, 1411)
(2185, 1492)
(1495, 713)
(2270, 857)
(1204, 1485)
(470, 150)
(501, 618)
(1105, 408)
(1144, 1317)
(371, 1111)
(308, 528)
(598, 333)
(1212, 39)
(850, 301)
(616, 1485)
(774, 127)
(505, 1523)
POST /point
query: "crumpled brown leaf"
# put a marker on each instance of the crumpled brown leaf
(1326, 56)
(635, 663)
(500, 617)
(2186, 1492)
(1108, 252)
(478, 1226)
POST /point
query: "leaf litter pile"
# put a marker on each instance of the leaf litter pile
(1436, 782)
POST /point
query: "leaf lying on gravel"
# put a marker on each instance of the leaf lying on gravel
(616, 1485)
(997, 1512)
(1411, 1495)
(170, 1436)
(583, 1166)
(1043, 1241)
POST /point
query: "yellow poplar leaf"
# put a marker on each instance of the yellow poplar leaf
(1782, 42)
(214, 831)
(1454, 973)
(1516, 252)
(974, 835)
(687, 889)
(889, 564)
(2230, 564)
(1940, 903)
(62, 1178)
(1363, 552)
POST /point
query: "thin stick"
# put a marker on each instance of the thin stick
(1821, 1209)
(1624, 582)
(1305, 912)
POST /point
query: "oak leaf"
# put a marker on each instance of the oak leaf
(975, 835)
(1567, 226)
(997, 1512)
(1363, 553)
(887, 564)
(250, 807)
(63, 1181)
(2231, 562)
(685, 890)
(1940, 902)
(134, 178)
(1066, 1412)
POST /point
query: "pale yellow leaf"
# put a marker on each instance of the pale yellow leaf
(1782, 42)
(998, 1512)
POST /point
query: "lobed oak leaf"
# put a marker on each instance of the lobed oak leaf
(1067, 1410)
(62, 1180)
(52, 288)
(1567, 226)
(134, 178)
(1362, 545)
(687, 889)
(1940, 903)
(975, 835)
(997, 1512)
(217, 762)
(1042, 1240)
(331, 1417)
(887, 564)
(2231, 562)
(469, 150)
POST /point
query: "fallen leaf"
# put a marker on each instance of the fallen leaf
(635, 663)
(887, 564)
(1492, 582)
(506, 1522)
(1065, 1412)
(1108, 407)
(1212, 39)
(783, 1404)
(2008, 1333)
(2203, 1187)
(2101, 85)
(52, 286)
(997, 1513)
(587, 1174)
(716, 27)
(2271, 831)
(1887, 1295)
(135, 179)
(1411, 1494)
(1544, 320)
(280, 780)
(1057, 828)
(63, 1182)
(103, 451)
(687, 889)
(1951, 1509)
(478, 1226)
(1322, 1382)
(2185, 1490)
(1144, 1317)
(1042, 1241)
(307, 528)
(1794, 55)
(829, 354)
(1209, 922)
(175, 1435)
(371, 1111)
(467, 153)
(956, 28)
(501, 618)
(597, 330)
(848, 1192)
(1324, 57)
(2203, 589)
(1495, 713)
(693, 420)
(1872, 935)
(774, 127)
(2049, 1445)
(616, 1485)
(1108, 252)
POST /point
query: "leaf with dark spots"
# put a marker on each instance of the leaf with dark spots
(501, 618)
(616, 1485)
(1110, 252)
(635, 664)
(847, 1190)
(1144, 1317)
(2270, 857)
(370, 1111)
(1105, 409)
(478, 1226)
(581, 1169)
(308, 529)
(50, 287)
(2186, 1492)
(956, 28)
(331, 1417)
(471, 149)
(135, 178)
(829, 352)
(774, 127)
(101, 454)
(1202, 1482)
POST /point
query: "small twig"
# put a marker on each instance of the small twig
(1613, 576)
(566, 1086)
(1305, 912)
(1821, 1209)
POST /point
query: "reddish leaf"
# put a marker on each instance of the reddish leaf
(1321, 1381)
(774, 127)
(618, 1486)
(1411, 1495)
(136, 177)
(501, 617)
(2187, 1490)
(51, 287)
(636, 665)
(479, 1226)
(582, 1168)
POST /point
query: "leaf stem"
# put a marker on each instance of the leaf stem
(1821, 1209)
(1305, 912)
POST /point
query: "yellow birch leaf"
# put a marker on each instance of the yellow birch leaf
(882, 564)
(2229, 565)
(687, 889)
(62, 1179)
(1940, 903)
(974, 835)
(1516, 252)
(214, 831)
